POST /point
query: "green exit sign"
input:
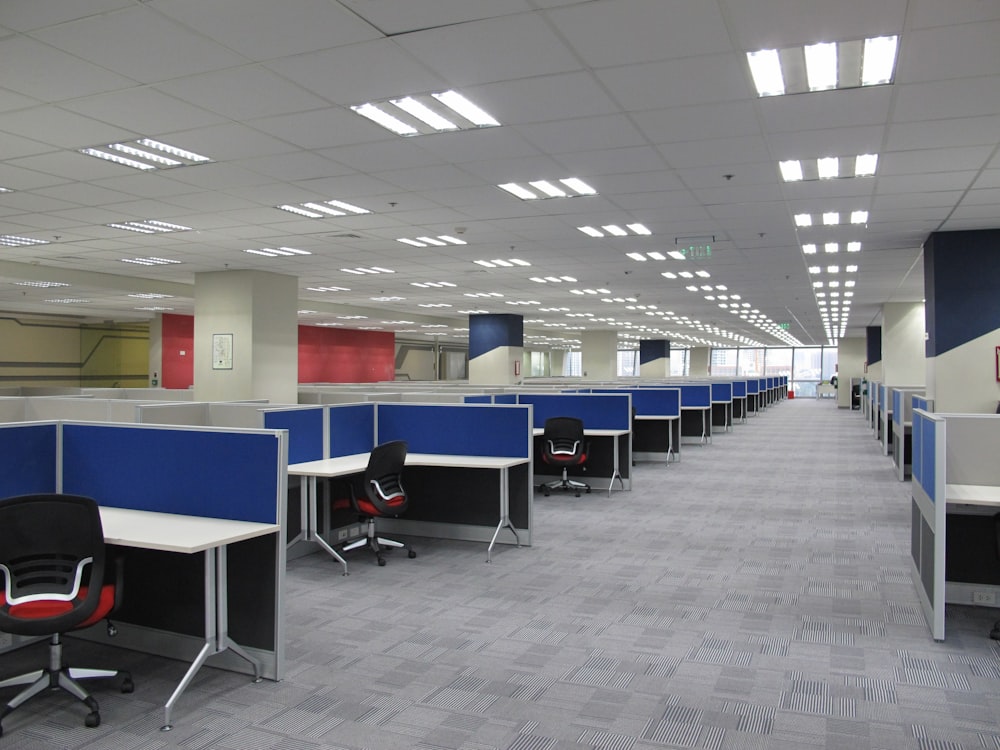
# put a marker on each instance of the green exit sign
(697, 251)
(783, 326)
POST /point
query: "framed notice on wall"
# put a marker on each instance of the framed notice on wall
(222, 351)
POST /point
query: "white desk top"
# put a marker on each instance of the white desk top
(973, 494)
(660, 417)
(353, 464)
(594, 433)
(171, 532)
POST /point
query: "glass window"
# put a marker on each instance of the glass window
(679, 363)
(829, 362)
(573, 364)
(808, 364)
(723, 363)
(750, 363)
(778, 361)
(628, 363)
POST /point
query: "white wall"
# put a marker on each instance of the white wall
(850, 364)
(903, 327)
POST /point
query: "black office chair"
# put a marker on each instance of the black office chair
(383, 496)
(563, 446)
(52, 566)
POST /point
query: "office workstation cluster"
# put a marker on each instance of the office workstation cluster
(950, 461)
(222, 494)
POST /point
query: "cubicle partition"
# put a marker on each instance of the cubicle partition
(696, 413)
(225, 492)
(740, 400)
(902, 429)
(753, 405)
(722, 405)
(607, 419)
(954, 524)
(656, 422)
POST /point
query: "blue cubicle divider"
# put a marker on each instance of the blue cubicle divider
(352, 428)
(651, 402)
(897, 407)
(604, 411)
(27, 458)
(305, 431)
(505, 398)
(739, 388)
(722, 392)
(924, 454)
(695, 395)
(753, 386)
(191, 471)
(458, 429)
(478, 398)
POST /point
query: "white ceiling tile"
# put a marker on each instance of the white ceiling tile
(392, 18)
(50, 75)
(262, 30)
(25, 15)
(496, 49)
(670, 83)
(139, 43)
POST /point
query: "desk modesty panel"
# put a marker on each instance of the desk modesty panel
(28, 452)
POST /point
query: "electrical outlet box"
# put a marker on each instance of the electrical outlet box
(355, 531)
(342, 534)
(984, 597)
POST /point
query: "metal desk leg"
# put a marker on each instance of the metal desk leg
(311, 533)
(505, 521)
(217, 637)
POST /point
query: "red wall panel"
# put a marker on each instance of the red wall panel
(326, 355)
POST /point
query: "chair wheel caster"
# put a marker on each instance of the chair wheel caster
(381, 562)
(93, 719)
(588, 490)
(411, 554)
(546, 493)
(127, 685)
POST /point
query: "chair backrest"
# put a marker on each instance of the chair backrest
(51, 545)
(384, 478)
(562, 437)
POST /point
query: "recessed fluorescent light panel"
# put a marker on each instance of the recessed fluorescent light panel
(323, 209)
(569, 187)
(828, 167)
(69, 301)
(150, 295)
(439, 241)
(614, 230)
(824, 66)
(40, 284)
(363, 271)
(146, 154)
(425, 114)
(11, 240)
(277, 252)
(151, 261)
(327, 289)
(149, 227)
(830, 219)
(501, 263)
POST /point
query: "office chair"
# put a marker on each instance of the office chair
(52, 565)
(383, 496)
(563, 446)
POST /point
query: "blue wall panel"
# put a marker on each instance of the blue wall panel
(598, 411)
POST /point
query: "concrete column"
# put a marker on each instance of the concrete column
(156, 351)
(600, 355)
(850, 364)
(961, 279)
(873, 352)
(903, 343)
(246, 336)
(654, 359)
(698, 362)
(496, 349)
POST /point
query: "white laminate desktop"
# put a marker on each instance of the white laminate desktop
(329, 468)
(973, 494)
(171, 532)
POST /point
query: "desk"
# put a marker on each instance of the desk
(617, 471)
(187, 535)
(705, 436)
(330, 468)
(648, 437)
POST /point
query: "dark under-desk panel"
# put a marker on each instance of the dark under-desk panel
(600, 460)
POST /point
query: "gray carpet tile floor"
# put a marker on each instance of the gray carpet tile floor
(755, 595)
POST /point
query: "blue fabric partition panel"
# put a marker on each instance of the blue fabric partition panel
(27, 459)
(505, 398)
(457, 429)
(352, 429)
(210, 473)
(305, 432)
(753, 386)
(651, 402)
(722, 392)
(696, 395)
(478, 399)
(598, 411)
(739, 388)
